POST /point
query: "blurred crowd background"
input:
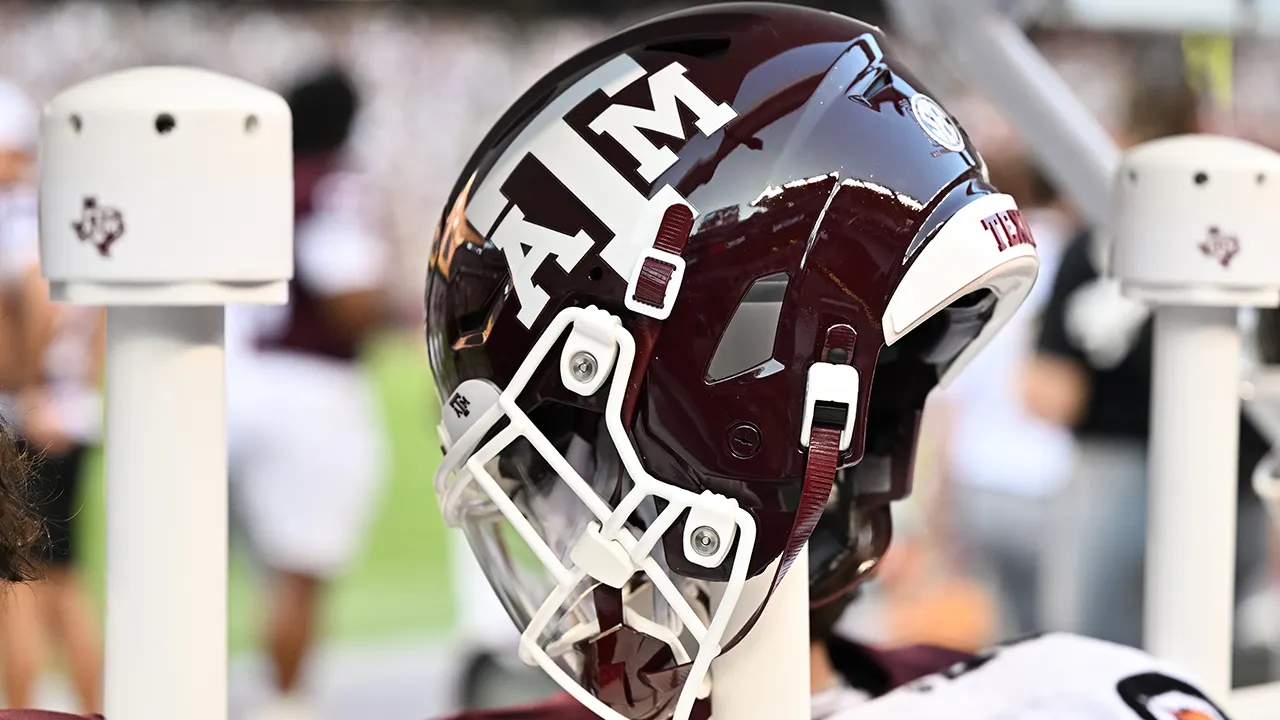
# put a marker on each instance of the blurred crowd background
(1030, 487)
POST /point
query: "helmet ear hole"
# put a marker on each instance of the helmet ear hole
(748, 338)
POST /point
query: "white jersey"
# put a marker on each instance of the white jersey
(337, 250)
(1050, 677)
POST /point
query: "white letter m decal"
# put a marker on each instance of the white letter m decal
(623, 122)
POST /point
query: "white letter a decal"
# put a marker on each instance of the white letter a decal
(512, 234)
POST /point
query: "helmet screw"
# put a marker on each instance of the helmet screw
(744, 440)
(706, 541)
(582, 366)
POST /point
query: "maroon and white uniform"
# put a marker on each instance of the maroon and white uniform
(305, 430)
(1050, 677)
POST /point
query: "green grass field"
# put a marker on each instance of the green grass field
(400, 582)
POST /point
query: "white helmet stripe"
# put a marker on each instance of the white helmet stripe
(984, 245)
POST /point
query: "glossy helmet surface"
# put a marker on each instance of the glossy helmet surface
(688, 275)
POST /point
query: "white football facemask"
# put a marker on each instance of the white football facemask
(555, 504)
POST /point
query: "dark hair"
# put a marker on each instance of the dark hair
(20, 529)
(324, 106)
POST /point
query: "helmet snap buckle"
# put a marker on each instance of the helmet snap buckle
(589, 352)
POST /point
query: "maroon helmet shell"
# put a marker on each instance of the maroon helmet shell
(833, 222)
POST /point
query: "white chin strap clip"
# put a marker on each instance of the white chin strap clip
(589, 352)
(831, 394)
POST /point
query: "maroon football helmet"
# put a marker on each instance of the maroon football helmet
(690, 275)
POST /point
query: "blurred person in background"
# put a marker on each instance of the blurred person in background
(19, 236)
(1092, 373)
(1004, 464)
(53, 358)
(920, 595)
(306, 438)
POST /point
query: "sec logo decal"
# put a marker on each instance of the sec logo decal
(936, 123)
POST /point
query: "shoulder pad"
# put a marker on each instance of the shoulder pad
(1048, 677)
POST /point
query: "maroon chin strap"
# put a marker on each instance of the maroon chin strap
(819, 472)
(824, 436)
(643, 693)
(655, 275)
(647, 685)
